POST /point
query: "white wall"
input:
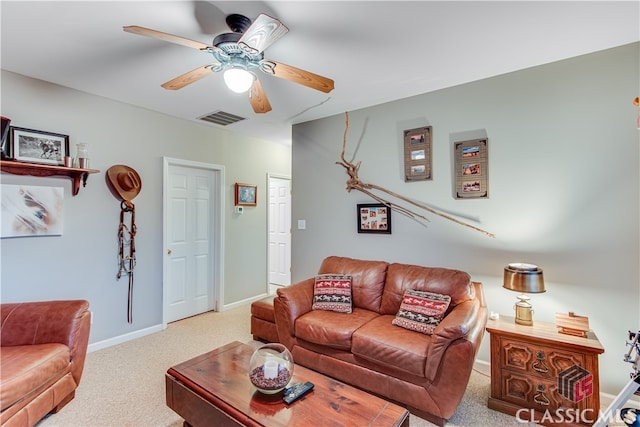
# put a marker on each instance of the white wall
(83, 262)
(563, 190)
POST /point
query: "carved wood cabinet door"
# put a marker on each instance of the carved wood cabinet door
(539, 374)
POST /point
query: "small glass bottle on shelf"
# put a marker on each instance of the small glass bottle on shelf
(82, 156)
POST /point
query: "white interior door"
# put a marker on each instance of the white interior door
(192, 241)
(279, 224)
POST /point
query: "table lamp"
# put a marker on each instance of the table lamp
(526, 279)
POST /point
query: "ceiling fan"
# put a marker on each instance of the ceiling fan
(239, 54)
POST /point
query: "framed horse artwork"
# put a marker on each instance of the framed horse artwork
(35, 146)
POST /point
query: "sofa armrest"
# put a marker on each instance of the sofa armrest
(479, 293)
(291, 303)
(466, 321)
(42, 322)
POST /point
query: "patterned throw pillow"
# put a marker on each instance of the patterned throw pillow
(421, 311)
(332, 292)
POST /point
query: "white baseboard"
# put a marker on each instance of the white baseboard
(244, 302)
(157, 328)
(123, 338)
(482, 366)
(606, 399)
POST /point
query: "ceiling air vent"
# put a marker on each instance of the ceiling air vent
(222, 118)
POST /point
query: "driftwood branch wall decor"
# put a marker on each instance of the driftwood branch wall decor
(355, 183)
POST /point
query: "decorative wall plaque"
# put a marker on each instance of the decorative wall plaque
(374, 218)
(471, 169)
(417, 154)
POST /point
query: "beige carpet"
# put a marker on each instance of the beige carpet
(123, 385)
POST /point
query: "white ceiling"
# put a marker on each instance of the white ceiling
(376, 51)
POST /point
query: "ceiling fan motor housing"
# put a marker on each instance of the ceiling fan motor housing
(238, 23)
(224, 39)
(231, 54)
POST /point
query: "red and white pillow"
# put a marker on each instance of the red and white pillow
(332, 292)
(421, 311)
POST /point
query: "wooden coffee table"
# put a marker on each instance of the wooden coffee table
(214, 389)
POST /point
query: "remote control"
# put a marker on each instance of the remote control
(294, 392)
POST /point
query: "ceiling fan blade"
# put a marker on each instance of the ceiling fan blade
(263, 32)
(258, 98)
(299, 76)
(188, 78)
(148, 32)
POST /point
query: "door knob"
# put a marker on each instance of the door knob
(168, 251)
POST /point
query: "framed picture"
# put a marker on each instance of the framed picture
(246, 194)
(471, 169)
(374, 218)
(6, 152)
(35, 146)
(417, 154)
(29, 210)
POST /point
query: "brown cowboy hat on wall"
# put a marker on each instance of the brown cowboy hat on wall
(124, 182)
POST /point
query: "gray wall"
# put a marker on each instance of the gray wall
(83, 263)
(563, 187)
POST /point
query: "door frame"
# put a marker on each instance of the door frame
(269, 177)
(217, 230)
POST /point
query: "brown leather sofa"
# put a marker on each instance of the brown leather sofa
(42, 354)
(426, 373)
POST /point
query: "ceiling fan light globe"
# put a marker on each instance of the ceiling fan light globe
(238, 80)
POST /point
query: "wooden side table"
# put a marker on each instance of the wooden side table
(538, 374)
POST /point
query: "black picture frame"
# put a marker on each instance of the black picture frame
(36, 146)
(374, 218)
(5, 146)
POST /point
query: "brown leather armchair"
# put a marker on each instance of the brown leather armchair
(43, 346)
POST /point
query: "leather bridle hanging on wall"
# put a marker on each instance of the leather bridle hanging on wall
(125, 184)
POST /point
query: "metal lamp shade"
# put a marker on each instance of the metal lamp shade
(524, 278)
(521, 277)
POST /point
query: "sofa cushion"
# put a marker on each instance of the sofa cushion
(367, 279)
(26, 369)
(401, 277)
(332, 292)
(263, 309)
(331, 329)
(421, 311)
(382, 343)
